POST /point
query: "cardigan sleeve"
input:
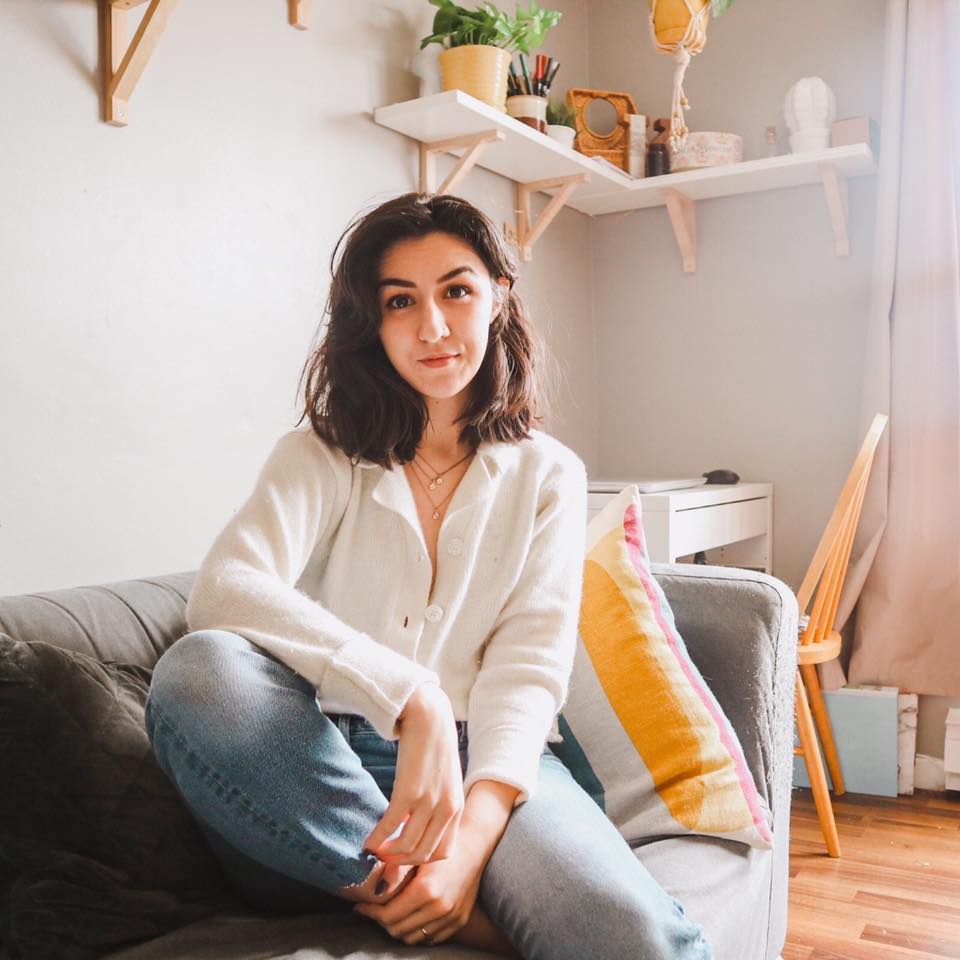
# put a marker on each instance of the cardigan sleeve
(246, 584)
(525, 673)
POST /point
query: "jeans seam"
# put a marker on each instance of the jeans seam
(212, 780)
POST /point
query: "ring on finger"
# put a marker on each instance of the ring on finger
(426, 935)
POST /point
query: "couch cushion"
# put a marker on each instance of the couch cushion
(132, 621)
(97, 848)
(722, 884)
(642, 732)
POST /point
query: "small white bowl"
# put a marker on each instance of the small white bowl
(562, 134)
(706, 149)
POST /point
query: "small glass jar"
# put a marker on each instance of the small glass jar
(658, 160)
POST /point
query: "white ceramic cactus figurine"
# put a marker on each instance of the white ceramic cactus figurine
(809, 109)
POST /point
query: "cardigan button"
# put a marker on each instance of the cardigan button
(433, 613)
(455, 547)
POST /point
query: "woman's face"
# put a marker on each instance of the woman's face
(436, 299)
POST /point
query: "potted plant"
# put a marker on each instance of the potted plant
(478, 44)
(561, 124)
(679, 29)
(671, 17)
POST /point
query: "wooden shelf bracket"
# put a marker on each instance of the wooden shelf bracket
(124, 62)
(835, 188)
(298, 12)
(683, 217)
(527, 232)
(472, 145)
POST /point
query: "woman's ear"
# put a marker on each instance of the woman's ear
(501, 292)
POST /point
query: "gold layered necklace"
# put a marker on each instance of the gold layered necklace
(436, 480)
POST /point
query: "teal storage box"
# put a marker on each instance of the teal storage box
(864, 723)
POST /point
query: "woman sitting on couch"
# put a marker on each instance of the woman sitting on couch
(383, 634)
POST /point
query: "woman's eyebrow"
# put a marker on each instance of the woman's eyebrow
(396, 282)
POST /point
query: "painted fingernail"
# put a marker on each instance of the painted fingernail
(381, 887)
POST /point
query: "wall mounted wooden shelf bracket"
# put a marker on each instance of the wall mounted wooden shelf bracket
(683, 218)
(125, 61)
(527, 232)
(299, 13)
(835, 187)
(472, 145)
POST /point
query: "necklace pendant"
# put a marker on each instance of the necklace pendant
(436, 514)
(438, 481)
(433, 484)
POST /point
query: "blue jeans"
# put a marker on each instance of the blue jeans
(286, 795)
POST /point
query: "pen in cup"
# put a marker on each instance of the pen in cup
(526, 75)
(554, 67)
(544, 85)
(513, 81)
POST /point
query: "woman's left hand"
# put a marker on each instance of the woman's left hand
(439, 898)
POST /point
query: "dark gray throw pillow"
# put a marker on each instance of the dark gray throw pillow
(97, 850)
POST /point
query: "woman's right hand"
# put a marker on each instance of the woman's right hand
(428, 789)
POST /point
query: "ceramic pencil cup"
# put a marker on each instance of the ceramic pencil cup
(529, 110)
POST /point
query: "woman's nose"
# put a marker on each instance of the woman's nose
(433, 326)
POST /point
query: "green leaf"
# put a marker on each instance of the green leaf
(445, 21)
(487, 24)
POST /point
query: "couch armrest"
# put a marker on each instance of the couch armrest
(740, 628)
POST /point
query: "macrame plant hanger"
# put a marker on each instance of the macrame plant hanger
(690, 44)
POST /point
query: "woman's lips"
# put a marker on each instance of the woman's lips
(439, 362)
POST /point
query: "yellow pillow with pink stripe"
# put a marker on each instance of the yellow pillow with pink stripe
(642, 732)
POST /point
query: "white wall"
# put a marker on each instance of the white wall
(161, 283)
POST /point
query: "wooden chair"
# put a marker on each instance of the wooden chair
(819, 642)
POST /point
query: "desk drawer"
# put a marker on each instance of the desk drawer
(703, 528)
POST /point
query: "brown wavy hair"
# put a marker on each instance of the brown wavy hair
(354, 397)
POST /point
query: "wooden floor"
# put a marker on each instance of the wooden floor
(894, 894)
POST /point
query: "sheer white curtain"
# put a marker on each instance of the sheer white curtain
(905, 571)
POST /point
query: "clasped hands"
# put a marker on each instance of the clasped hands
(437, 897)
(440, 863)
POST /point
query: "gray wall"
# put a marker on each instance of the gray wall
(754, 362)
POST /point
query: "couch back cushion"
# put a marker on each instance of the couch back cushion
(133, 621)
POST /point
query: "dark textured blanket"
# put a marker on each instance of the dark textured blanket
(96, 848)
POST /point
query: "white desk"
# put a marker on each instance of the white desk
(735, 521)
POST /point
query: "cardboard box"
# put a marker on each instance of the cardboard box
(855, 130)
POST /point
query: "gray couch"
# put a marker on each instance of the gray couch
(740, 628)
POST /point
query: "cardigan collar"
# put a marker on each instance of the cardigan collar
(497, 454)
(393, 491)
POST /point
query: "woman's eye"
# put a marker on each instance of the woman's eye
(393, 304)
(466, 291)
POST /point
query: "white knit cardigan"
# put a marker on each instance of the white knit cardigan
(325, 567)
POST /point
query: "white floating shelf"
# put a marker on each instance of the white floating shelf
(524, 156)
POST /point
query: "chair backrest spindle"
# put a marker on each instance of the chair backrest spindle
(824, 579)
